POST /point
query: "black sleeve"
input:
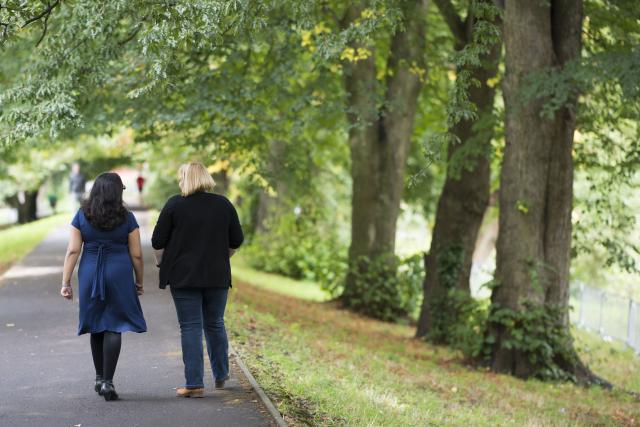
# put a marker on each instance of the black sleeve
(235, 230)
(162, 230)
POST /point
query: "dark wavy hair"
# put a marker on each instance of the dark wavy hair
(104, 209)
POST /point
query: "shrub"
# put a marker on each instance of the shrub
(538, 332)
(299, 249)
(387, 287)
(459, 321)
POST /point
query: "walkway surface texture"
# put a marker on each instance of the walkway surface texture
(46, 370)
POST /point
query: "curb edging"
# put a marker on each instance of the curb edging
(254, 384)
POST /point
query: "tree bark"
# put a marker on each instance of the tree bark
(520, 250)
(533, 249)
(379, 137)
(26, 205)
(268, 204)
(464, 198)
(221, 179)
(566, 28)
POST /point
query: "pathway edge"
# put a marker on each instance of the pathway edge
(263, 396)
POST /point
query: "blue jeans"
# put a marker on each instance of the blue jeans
(198, 309)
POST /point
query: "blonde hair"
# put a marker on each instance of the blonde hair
(194, 177)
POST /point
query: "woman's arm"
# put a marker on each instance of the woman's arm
(70, 260)
(164, 226)
(135, 251)
(236, 237)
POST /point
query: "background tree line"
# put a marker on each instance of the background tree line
(324, 117)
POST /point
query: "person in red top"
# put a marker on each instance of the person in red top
(140, 182)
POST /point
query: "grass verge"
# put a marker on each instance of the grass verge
(325, 366)
(19, 240)
(273, 282)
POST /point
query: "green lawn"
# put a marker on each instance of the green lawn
(276, 283)
(17, 241)
(326, 366)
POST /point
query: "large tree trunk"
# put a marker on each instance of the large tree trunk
(362, 114)
(566, 27)
(463, 200)
(379, 138)
(520, 250)
(533, 249)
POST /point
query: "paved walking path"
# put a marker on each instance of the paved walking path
(46, 370)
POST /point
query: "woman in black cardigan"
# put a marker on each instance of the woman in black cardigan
(196, 234)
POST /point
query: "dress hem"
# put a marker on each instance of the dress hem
(118, 330)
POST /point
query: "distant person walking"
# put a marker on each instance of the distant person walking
(108, 294)
(196, 234)
(77, 184)
(140, 183)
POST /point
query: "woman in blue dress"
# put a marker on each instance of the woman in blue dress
(109, 237)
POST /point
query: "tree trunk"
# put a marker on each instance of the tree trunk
(221, 178)
(566, 27)
(26, 205)
(379, 137)
(520, 250)
(463, 200)
(268, 202)
(533, 249)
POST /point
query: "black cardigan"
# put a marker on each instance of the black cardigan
(196, 233)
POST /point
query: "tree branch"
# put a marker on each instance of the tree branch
(331, 12)
(45, 26)
(44, 13)
(407, 50)
(453, 20)
(131, 35)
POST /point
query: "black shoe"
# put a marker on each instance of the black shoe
(98, 384)
(220, 383)
(108, 391)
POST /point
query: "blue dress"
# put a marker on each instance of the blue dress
(108, 298)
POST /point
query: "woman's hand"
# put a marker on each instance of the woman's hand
(139, 289)
(157, 254)
(67, 292)
(70, 260)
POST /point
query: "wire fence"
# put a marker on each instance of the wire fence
(611, 316)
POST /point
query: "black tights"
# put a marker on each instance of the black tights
(105, 349)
